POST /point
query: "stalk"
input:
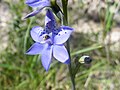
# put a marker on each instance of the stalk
(65, 22)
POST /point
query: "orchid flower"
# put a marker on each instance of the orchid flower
(38, 5)
(49, 41)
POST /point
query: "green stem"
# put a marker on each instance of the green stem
(27, 34)
(109, 19)
(108, 26)
(65, 22)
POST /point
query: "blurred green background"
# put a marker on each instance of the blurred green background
(97, 34)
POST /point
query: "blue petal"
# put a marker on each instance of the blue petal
(50, 22)
(33, 13)
(60, 53)
(38, 3)
(46, 57)
(67, 62)
(36, 48)
(62, 34)
(37, 33)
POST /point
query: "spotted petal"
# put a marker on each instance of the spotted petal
(36, 48)
(50, 22)
(46, 57)
(60, 53)
(62, 35)
(38, 3)
(36, 33)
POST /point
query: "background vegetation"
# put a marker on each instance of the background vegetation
(94, 24)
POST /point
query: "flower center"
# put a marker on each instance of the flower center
(47, 39)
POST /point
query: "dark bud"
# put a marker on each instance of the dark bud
(85, 59)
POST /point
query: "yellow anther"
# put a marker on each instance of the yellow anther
(46, 37)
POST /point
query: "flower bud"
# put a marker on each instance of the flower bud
(85, 59)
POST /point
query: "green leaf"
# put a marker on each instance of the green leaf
(93, 47)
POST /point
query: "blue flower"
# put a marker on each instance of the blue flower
(49, 41)
(38, 5)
